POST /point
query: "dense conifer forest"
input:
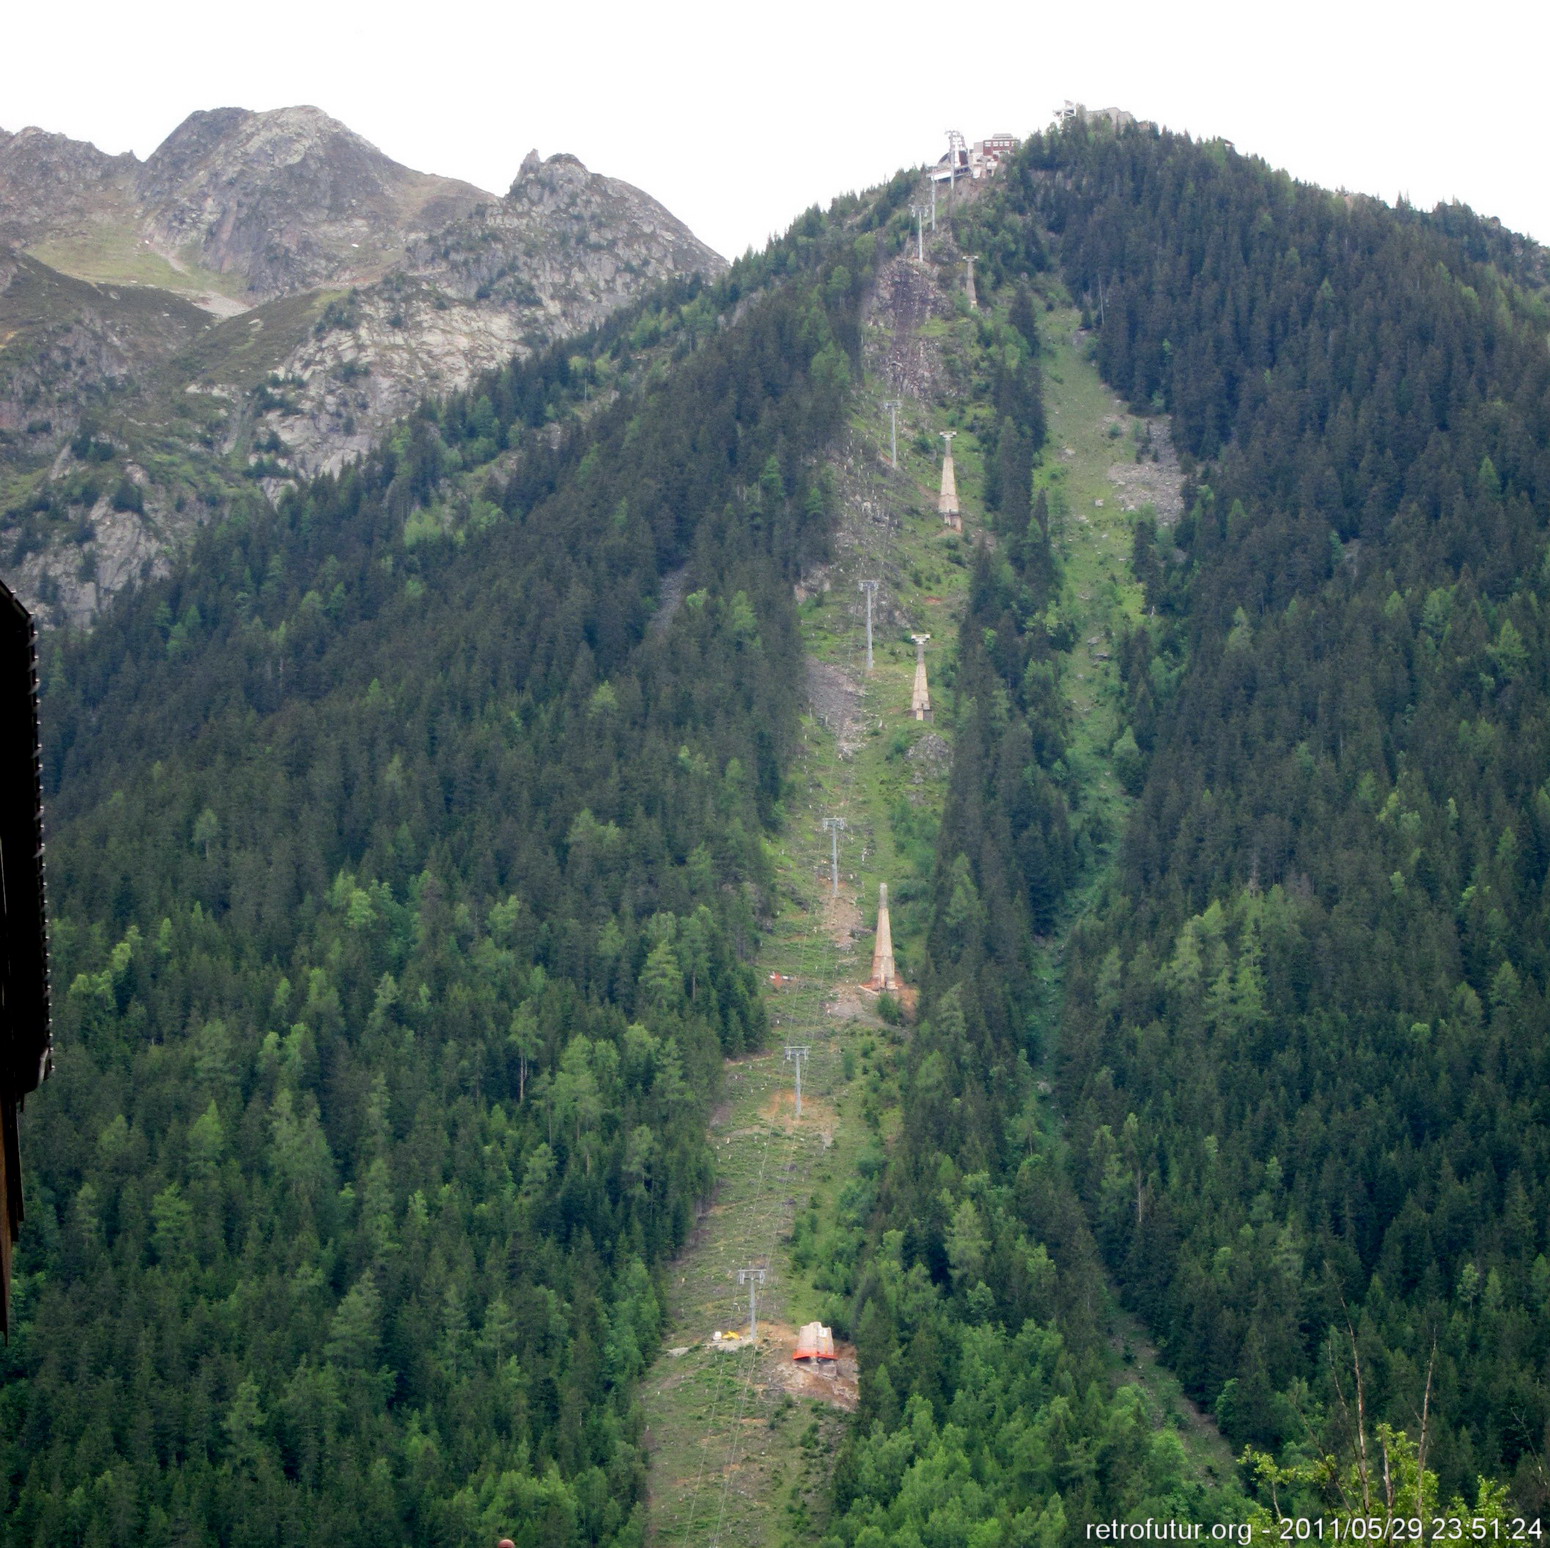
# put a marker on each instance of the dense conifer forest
(1301, 1049)
(407, 854)
(1304, 1044)
(988, 1413)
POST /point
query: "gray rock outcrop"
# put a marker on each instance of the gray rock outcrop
(257, 301)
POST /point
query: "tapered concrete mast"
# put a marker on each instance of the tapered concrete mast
(920, 700)
(883, 974)
(947, 501)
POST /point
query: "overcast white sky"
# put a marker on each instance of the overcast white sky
(739, 116)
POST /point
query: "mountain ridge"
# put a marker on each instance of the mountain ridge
(230, 190)
(413, 840)
(337, 288)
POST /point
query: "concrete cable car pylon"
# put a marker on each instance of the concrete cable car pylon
(884, 974)
(920, 699)
(947, 506)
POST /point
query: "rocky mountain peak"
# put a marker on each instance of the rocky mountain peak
(33, 149)
(47, 180)
(350, 286)
(556, 219)
(289, 198)
(535, 174)
(236, 145)
(194, 139)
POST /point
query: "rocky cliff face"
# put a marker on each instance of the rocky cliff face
(276, 202)
(66, 345)
(288, 200)
(52, 186)
(528, 244)
(562, 250)
(338, 288)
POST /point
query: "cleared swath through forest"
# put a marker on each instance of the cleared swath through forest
(744, 1452)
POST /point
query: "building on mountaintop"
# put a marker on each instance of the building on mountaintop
(1074, 112)
(993, 150)
(981, 159)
